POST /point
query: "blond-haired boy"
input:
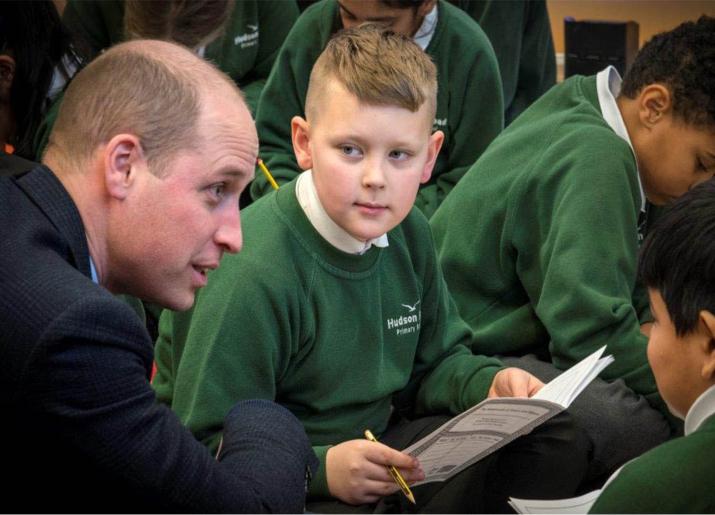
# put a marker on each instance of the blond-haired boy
(337, 307)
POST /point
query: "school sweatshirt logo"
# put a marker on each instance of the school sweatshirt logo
(248, 39)
(407, 322)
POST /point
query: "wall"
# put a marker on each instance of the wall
(653, 16)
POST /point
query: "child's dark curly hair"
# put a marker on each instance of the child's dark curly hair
(684, 60)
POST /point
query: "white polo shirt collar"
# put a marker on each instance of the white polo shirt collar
(338, 237)
(702, 409)
(608, 86)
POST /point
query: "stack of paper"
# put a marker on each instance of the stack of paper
(579, 504)
(568, 385)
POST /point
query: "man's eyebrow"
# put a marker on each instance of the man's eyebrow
(234, 173)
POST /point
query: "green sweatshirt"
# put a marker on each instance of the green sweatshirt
(245, 51)
(520, 32)
(675, 477)
(539, 240)
(469, 99)
(337, 338)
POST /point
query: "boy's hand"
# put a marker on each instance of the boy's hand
(357, 473)
(514, 382)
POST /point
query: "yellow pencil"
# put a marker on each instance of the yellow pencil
(396, 476)
(268, 175)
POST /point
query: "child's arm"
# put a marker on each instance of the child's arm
(231, 346)
(357, 471)
(283, 97)
(275, 19)
(470, 111)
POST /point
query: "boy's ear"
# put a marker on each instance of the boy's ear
(654, 102)
(433, 148)
(300, 133)
(122, 158)
(707, 322)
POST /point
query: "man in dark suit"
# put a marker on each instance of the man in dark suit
(137, 194)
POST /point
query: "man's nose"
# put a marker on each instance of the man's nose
(228, 235)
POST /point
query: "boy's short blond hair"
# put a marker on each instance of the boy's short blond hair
(378, 66)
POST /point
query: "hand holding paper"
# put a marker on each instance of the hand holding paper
(514, 382)
(495, 422)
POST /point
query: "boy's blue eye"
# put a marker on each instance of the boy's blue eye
(399, 155)
(349, 150)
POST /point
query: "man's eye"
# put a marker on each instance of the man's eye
(217, 191)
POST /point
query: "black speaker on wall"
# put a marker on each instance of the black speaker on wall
(591, 45)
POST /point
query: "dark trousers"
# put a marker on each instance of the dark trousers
(548, 463)
(620, 423)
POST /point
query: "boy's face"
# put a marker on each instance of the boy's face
(682, 365)
(673, 157)
(403, 20)
(368, 161)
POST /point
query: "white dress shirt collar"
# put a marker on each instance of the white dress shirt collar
(702, 408)
(608, 85)
(424, 34)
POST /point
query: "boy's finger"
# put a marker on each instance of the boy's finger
(384, 455)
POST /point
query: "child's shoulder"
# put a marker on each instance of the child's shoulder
(319, 16)
(674, 477)
(455, 28)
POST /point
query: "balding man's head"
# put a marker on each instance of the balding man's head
(152, 89)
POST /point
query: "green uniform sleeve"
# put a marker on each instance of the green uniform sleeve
(284, 97)
(319, 484)
(275, 18)
(231, 346)
(447, 376)
(575, 233)
(164, 360)
(537, 62)
(475, 117)
(675, 477)
(520, 32)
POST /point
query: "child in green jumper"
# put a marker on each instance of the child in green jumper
(538, 242)
(677, 264)
(469, 108)
(338, 310)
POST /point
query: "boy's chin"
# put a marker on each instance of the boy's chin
(367, 235)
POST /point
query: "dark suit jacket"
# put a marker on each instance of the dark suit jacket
(81, 429)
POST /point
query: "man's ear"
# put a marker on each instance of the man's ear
(433, 148)
(300, 133)
(707, 324)
(7, 74)
(654, 102)
(122, 158)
